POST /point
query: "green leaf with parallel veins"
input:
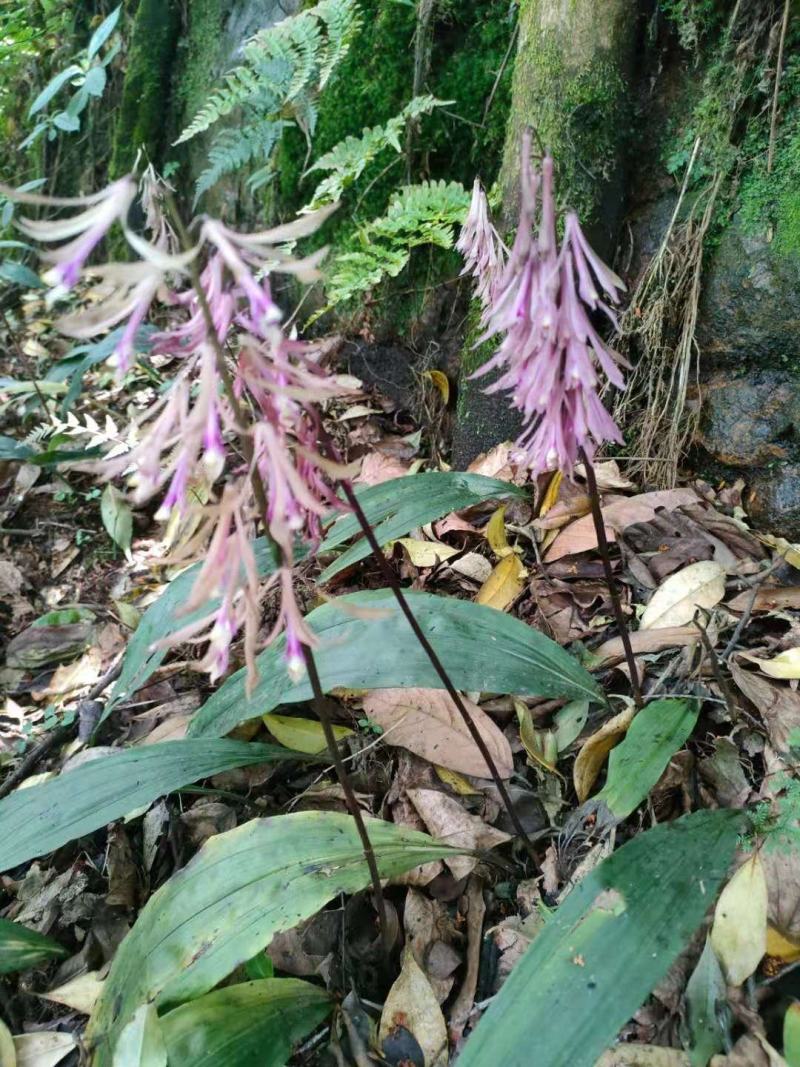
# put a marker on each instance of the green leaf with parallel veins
(657, 732)
(44, 817)
(607, 946)
(117, 517)
(145, 653)
(371, 646)
(254, 1024)
(242, 888)
(396, 507)
(21, 948)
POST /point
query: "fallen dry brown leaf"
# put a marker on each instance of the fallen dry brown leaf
(594, 750)
(427, 723)
(581, 537)
(778, 704)
(446, 819)
(645, 641)
(674, 603)
(411, 1004)
(768, 598)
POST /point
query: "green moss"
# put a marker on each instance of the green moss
(772, 200)
(198, 56)
(146, 89)
(375, 81)
(569, 86)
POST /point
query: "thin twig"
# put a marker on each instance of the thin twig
(602, 544)
(430, 652)
(716, 667)
(773, 121)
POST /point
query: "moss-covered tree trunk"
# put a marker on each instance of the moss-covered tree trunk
(148, 82)
(571, 79)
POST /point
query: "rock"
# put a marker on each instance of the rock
(749, 420)
(749, 309)
(39, 646)
(773, 501)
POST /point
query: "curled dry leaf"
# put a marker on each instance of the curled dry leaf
(448, 821)
(594, 750)
(644, 642)
(503, 585)
(778, 704)
(496, 534)
(700, 585)
(739, 932)
(427, 723)
(411, 1004)
(785, 665)
(621, 513)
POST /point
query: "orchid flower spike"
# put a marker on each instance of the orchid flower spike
(551, 357)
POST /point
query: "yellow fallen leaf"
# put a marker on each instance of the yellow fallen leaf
(540, 745)
(594, 750)
(551, 496)
(8, 1057)
(780, 947)
(496, 534)
(700, 585)
(441, 382)
(784, 665)
(739, 930)
(301, 735)
(79, 993)
(457, 782)
(43, 1048)
(503, 585)
(426, 553)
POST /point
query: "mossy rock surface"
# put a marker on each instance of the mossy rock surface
(750, 310)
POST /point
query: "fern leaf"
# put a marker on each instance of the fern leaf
(284, 68)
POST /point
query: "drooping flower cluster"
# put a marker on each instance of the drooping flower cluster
(237, 365)
(541, 301)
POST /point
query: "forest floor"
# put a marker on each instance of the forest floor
(715, 613)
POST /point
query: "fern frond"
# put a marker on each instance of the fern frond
(350, 157)
(417, 215)
(307, 45)
(234, 148)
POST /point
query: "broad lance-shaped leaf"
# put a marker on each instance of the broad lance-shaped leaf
(636, 764)
(396, 507)
(144, 653)
(242, 888)
(21, 948)
(607, 946)
(36, 820)
(481, 649)
(253, 1024)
